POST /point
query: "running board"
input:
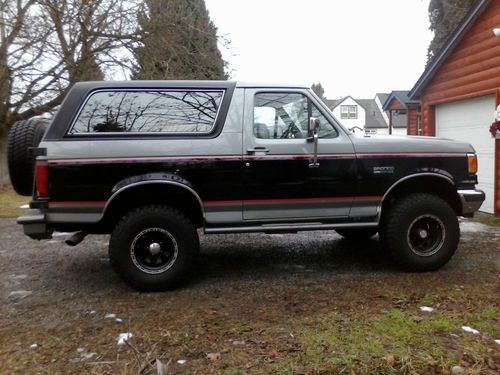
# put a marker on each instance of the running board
(277, 228)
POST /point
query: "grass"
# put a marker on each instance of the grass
(395, 341)
(365, 340)
(10, 203)
(487, 219)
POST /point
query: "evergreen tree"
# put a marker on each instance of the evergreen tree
(178, 42)
(319, 91)
(444, 17)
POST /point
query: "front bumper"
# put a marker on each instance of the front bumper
(35, 225)
(471, 200)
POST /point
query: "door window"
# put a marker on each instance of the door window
(286, 116)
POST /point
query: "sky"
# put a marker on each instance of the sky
(353, 47)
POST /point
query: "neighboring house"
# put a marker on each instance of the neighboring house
(460, 90)
(380, 99)
(402, 112)
(360, 115)
(349, 112)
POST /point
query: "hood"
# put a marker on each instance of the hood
(405, 144)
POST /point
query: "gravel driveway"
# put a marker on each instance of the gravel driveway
(249, 308)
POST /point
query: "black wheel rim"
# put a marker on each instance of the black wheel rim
(426, 235)
(154, 250)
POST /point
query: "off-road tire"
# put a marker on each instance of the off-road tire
(356, 234)
(158, 227)
(21, 162)
(421, 231)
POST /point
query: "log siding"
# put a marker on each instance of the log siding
(471, 70)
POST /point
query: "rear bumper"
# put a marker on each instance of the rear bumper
(35, 225)
(471, 200)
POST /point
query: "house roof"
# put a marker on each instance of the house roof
(382, 97)
(332, 103)
(448, 47)
(373, 116)
(401, 96)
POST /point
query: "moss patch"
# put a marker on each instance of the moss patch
(487, 219)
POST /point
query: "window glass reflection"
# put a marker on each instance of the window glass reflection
(286, 116)
(149, 112)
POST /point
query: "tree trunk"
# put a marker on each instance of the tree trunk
(4, 171)
(5, 78)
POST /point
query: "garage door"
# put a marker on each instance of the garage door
(469, 121)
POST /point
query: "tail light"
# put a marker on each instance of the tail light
(472, 163)
(42, 179)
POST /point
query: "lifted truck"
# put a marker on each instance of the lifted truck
(150, 162)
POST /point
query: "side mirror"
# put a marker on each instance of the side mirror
(313, 128)
(314, 124)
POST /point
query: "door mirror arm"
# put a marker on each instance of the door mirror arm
(314, 129)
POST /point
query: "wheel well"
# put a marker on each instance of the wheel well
(434, 185)
(154, 193)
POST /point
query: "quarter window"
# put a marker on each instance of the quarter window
(149, 112)
(348, 112)
(286, 115)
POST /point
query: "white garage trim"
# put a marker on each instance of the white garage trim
(469, 121)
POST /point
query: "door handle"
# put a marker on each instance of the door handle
(256, 150)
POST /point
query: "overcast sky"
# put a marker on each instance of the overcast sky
(353, 47)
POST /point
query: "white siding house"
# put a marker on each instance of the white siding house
(361, 115)
(349, 113)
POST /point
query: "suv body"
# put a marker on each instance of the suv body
(151, 161)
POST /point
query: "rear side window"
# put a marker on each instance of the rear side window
(179, 111)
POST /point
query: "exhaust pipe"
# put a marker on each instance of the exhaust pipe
(75, 238)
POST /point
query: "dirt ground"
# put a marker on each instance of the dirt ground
(307, 303)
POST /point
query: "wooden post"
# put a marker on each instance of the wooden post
(496, 204)
(496, 188)
(390, 121)
(430, 129)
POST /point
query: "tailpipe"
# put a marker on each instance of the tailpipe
(75, 238)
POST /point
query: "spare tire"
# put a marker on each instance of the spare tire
(23, 135)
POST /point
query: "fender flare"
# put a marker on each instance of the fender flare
(152, 179)
(408, 177)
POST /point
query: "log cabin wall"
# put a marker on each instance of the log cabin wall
(471, 70)
(413, 119)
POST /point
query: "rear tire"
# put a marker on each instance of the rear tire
(152, 248)
(421, 231)
(21, 162)
(357, 233)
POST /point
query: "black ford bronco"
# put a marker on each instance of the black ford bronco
(150, 162)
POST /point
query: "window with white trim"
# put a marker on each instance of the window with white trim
(348, 111)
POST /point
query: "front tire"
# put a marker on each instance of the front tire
(152, 248)
(421, 231)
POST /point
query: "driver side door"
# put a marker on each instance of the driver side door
(279, 178)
